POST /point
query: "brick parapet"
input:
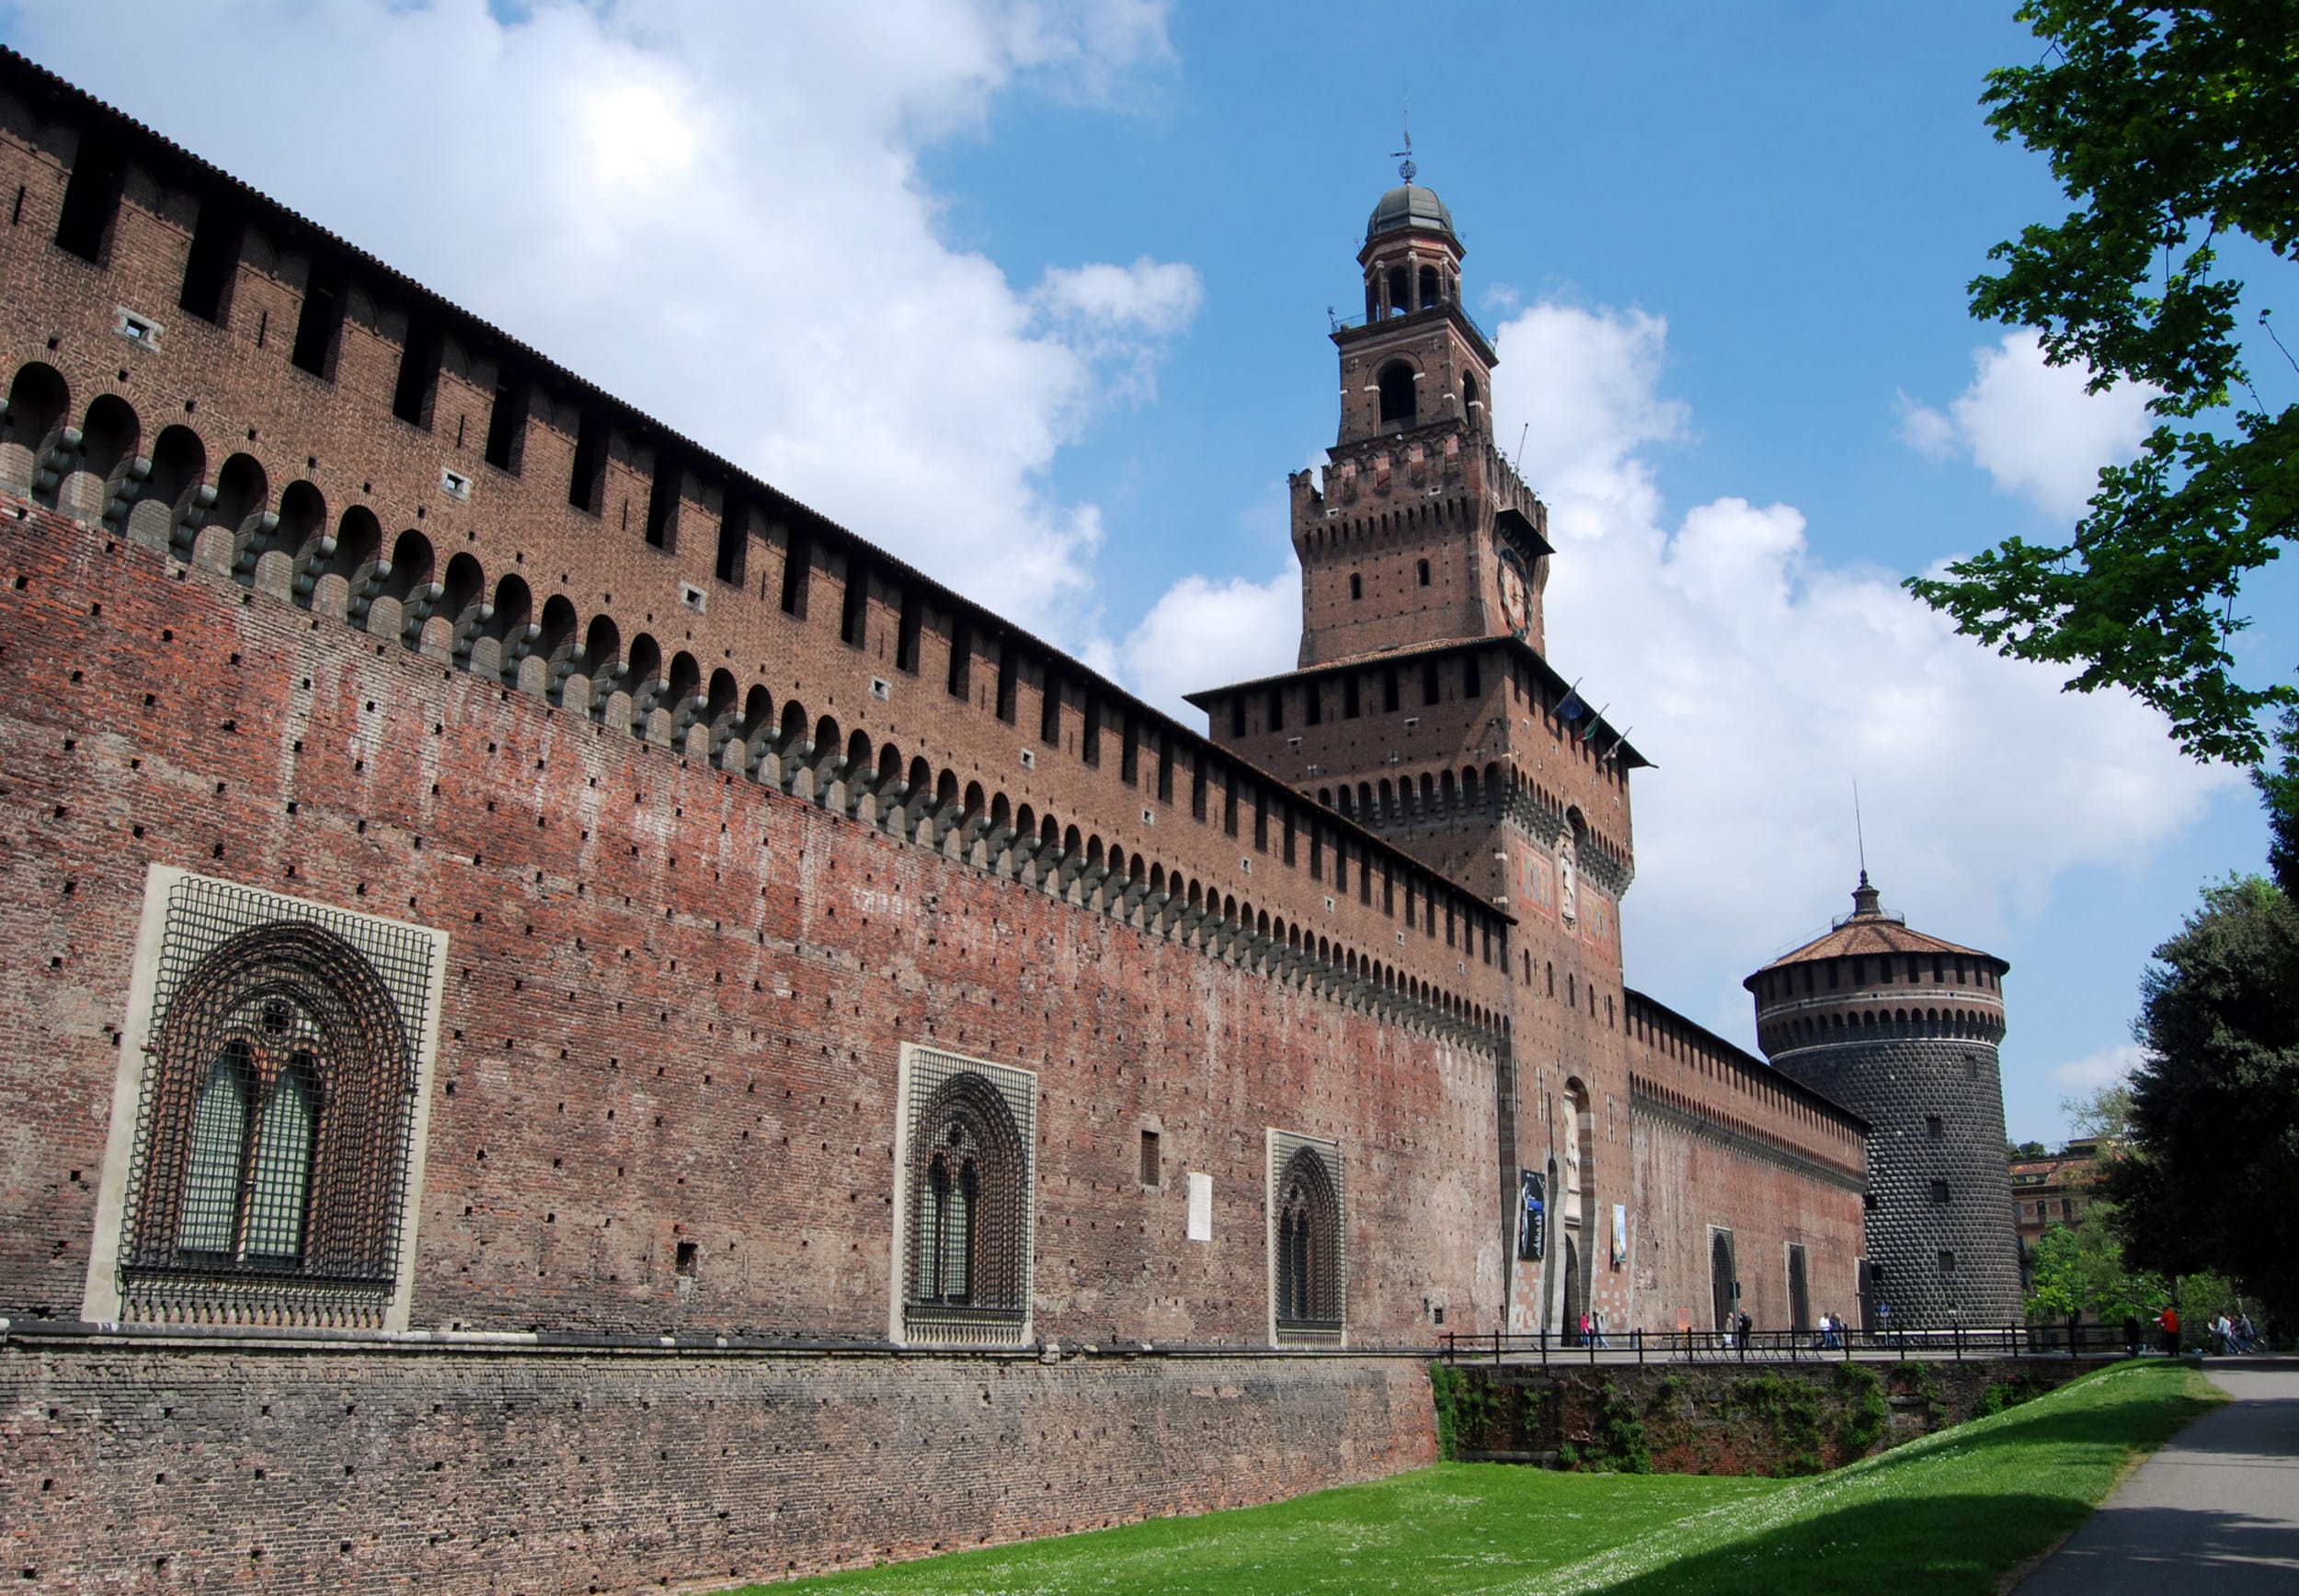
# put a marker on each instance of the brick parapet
(741, 662)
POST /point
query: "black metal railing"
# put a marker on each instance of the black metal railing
(1955, 1342)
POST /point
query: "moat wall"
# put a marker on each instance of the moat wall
(1725, 1418)
(458, 1469)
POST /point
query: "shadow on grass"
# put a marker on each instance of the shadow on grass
(1924, 1522)
(1960, 1545)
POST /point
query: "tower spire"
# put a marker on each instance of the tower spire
(1866, 899)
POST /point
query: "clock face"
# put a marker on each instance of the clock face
(1516, 594)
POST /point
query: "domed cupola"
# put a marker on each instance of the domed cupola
(1412, 256)
(1410, 207)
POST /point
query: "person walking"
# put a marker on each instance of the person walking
(2168, 1322)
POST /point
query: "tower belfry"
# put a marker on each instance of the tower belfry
(1418, 531)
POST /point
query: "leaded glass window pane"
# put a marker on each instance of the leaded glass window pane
(282, 1176)
(219, 1142)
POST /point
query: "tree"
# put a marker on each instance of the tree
(2172, 127)
(2206, 1179)
(2016, 1151)
(2080, 1270)
(2279, 790)
(2105, 1113)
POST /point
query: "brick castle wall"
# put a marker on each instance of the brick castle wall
(675, 997)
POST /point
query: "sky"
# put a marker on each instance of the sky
(1035, 295)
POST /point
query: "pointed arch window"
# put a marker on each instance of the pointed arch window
(963, 1206)
(1307, 1260)
(268, 1171)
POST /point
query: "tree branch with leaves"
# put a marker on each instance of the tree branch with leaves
(2173, 127)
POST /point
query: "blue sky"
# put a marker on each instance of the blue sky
(1035, 295)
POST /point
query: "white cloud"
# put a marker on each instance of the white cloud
(2032, 426)
(2104, 1067)
(1764, 679)
(713, 209)
(1203, 634)
(1147, 295)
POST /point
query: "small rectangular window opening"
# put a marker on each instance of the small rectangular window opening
(1313, 703)
(1939, 1190)
(1150, 1173)
(1389, 689)
(1932, 1127)
(1428, 681)
(687, 1260)
(1947, 1262)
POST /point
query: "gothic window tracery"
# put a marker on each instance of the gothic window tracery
(966, 1248)
(1308, 1256)
(274, 1124)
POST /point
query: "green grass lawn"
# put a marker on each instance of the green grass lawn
(1945, 1514)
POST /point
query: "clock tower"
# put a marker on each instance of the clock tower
(1423, 707)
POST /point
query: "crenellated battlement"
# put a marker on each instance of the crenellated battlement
(341, 439)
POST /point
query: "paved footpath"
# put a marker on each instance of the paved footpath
(2216, 1511)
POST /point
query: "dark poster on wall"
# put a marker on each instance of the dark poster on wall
(1532, 1213)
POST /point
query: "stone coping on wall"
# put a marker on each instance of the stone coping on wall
(26, 1334)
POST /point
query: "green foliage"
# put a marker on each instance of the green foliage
(1788, 1411)
(2207, 1182)
(2001, 1395)
(2080, 1270)
(2026, 1150)
(2169, 127)
(1465, 1408)
(2105, 1113)
(1619, 1443)
(1867, 1410)
(1943, 1516)
(2279, 792)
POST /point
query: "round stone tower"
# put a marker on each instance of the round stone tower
(1901, 1028)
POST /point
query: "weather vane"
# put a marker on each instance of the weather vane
(1405, 168)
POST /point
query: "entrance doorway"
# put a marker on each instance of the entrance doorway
(1722, 1277)
(1798, 1292)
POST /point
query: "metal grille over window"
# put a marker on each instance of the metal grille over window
(277, 1114)
(1309, 1251)
(969, 1140)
